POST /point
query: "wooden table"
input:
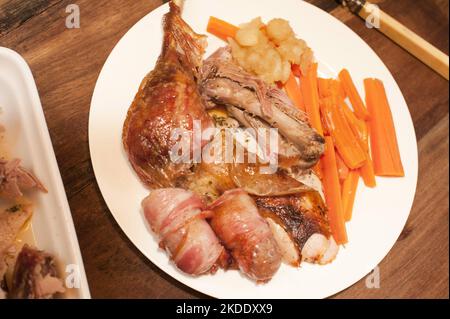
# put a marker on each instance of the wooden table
(66, 64)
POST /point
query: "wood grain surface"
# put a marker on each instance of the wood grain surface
(67, 62)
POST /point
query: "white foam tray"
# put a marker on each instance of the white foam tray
(27, 138)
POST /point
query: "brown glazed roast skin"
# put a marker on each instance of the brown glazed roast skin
(168, 99)
(246, 235)
(301, 215)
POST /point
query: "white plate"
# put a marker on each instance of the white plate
(380, 214)
(27, 138)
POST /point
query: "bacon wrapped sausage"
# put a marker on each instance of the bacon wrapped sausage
(246, 235)
(176, 216)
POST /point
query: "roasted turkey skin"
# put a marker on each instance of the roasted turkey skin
(168, 99)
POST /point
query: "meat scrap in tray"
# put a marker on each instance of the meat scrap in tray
(25, 272)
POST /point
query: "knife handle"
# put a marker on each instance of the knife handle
(410, 41)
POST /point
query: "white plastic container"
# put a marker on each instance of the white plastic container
(27, 138)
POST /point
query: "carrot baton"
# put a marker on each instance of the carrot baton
(345, 135)
(360, 130)
(333, 194)
(343, 170)
(221, 29)
(367, 171)
(294, 92)
(328, 87)
(341, 89)
(345, 140)
(325, 87)
(311, 97)
(352, 93)
(368, 174)
(310, 92)
(390, 127)
(349, 189)
(384, 145)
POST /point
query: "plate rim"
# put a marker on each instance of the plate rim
(397, 88)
